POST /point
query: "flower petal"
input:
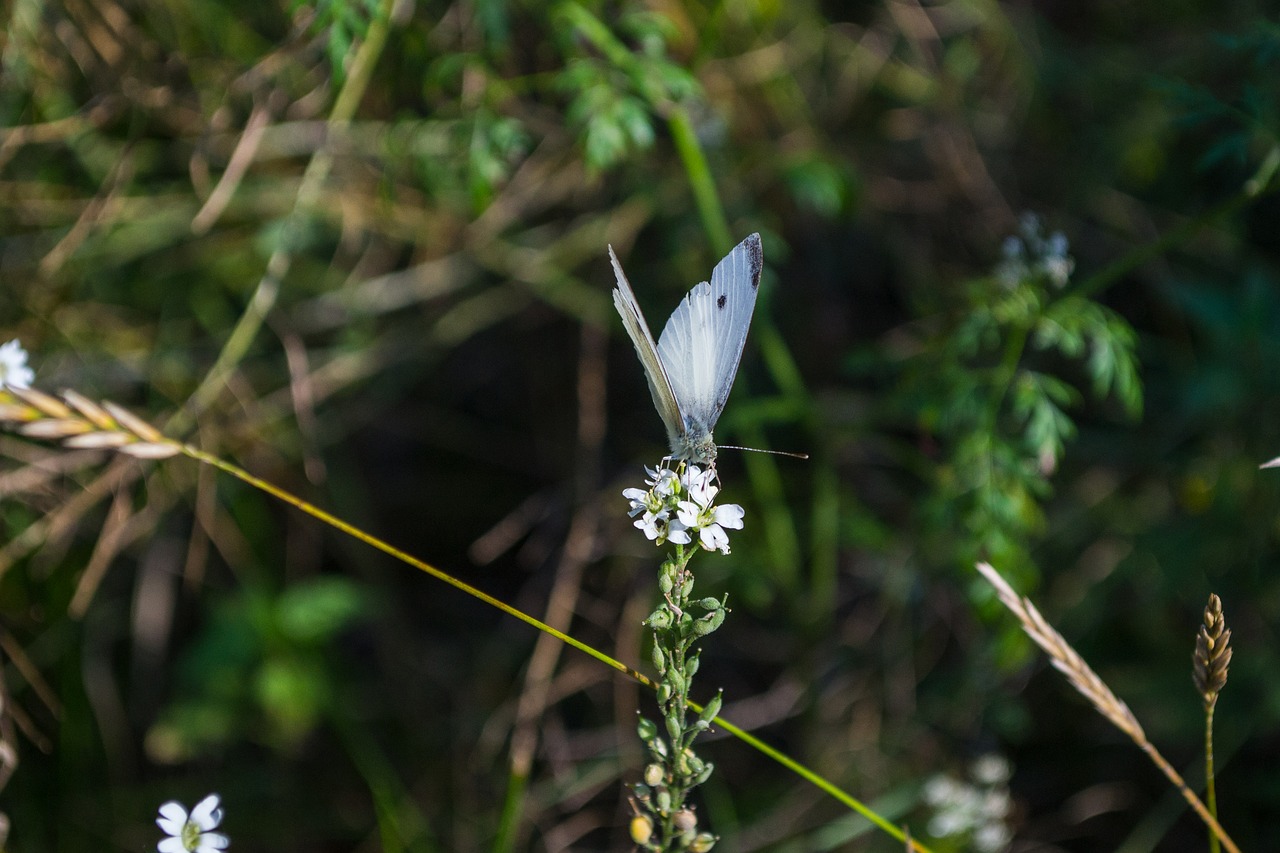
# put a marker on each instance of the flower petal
(171, 845)
(729, 515)
(211, 842)
(206, 814)
(172, 817)
(714, 539)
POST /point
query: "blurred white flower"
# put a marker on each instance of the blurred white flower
(973, 812)
(191, 832)
(13, 366)
(991, 769)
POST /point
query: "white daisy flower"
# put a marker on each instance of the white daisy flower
(192, 832)
(13, 366)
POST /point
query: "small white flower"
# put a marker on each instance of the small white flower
(651, 524)
(191, 832)
(701, 515)
(13, 366)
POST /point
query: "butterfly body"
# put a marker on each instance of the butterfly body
(691, 367)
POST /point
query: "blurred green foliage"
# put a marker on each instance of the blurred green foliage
(389, 220)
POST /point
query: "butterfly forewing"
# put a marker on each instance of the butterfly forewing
(664, 397)
(702, 343)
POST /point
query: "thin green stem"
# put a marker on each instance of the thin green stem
(1260, 184)
(1210, 788)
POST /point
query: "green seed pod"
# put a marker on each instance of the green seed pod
(685, 820)
(711, 621)
(653, 774)
(713, 708)
(658, 746)
(676, 680)
(666, 583)
(703, 843)
(664, 693)
(693, 764)
(664, 801)
(691, 667)
(659, 658)
(647, 729)
(705, 774)
(641, 829)
(674, 728)
(686, 588)
(710, 604)
(659, 619)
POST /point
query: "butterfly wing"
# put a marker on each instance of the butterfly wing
(702, 343)
(664, 397)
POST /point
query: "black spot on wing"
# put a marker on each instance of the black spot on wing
(720, 302)
(755, 257)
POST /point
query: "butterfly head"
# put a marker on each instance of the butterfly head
(697, 447)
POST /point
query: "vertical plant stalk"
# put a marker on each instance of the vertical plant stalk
(674, 770)
(1087, 682)
(1209, 671)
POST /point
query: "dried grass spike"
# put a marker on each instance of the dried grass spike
(16, 413)
(55, 428)
(133, 423)
(51, 406)
(1213, 653)
(1065, 658)
(99, 440)
(151, 450)
(91, 410)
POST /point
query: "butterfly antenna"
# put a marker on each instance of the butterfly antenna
(762, 450)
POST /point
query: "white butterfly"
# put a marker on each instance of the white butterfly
(691, 367)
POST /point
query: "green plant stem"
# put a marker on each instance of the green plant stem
(1210, 789)
(700, 179)
(351, 530)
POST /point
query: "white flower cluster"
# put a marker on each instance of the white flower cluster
(678, 504)
(1030, 254)
(975, 811)
(192, 832)
(13, 366)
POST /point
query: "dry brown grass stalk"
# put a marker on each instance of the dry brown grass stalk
(1067, 661)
